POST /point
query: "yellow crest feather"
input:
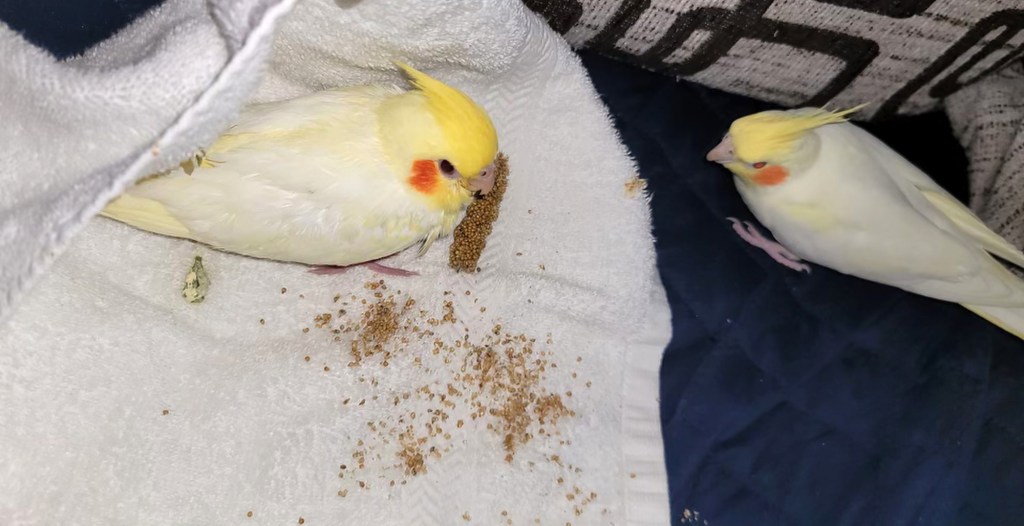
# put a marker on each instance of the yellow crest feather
(466, 126)
(767, 134)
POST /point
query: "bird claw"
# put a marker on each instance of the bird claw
(749, 233)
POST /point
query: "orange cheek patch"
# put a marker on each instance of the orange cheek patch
(424, 176)
(771, 175)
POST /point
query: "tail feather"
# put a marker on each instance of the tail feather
(145, 214)
(1009, 319)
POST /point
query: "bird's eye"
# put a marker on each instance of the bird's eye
(759, 165)
(446, 166)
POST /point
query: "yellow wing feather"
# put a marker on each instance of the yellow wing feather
(145, 214)
(971, 225)
(1007, 319)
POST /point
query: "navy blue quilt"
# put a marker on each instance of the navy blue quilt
(819, 399)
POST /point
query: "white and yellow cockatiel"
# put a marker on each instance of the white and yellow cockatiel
(335, 178)
(835, 195)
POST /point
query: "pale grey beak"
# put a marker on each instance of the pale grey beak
(484, 182)
(723, 153)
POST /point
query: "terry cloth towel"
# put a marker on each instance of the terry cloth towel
(527, 391)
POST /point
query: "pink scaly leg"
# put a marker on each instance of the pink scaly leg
(372, 265)
(779, 253)
(390, 271)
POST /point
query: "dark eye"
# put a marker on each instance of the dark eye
(446, 166)
(760, 165)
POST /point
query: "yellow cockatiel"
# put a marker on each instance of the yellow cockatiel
(335, 178)
(835, 195)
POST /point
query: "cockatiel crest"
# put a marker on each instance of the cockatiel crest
(763, 135)
(757, 146)
(466, 127)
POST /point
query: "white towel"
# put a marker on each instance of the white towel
(123, 404)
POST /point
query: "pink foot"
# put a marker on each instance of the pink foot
(779, 253)
(372, 265)
(390, 271)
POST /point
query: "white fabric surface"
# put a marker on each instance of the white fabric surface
(103, 343)
(75, 133)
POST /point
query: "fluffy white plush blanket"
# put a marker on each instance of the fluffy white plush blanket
(523, 394)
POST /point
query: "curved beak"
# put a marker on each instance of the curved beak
(483, 182)
(723, 153)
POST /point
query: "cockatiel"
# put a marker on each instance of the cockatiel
(835, 195)
(336, 178)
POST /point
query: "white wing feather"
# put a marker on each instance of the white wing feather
(903, 171)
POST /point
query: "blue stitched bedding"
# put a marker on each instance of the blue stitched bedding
(818, 399)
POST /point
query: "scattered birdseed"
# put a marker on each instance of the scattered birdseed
(466, 517)
(249, 514)
(470, 236)
(497, 381)
(302, 521)
(166, 412)
(283, 290)
(412, 456)
(322, 320)
(262, 321)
